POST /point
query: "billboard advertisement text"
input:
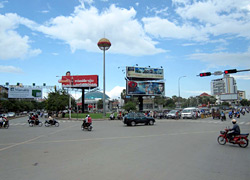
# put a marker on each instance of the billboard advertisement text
(24, 92)
(145, 73)
(88, 81)
(145, 88)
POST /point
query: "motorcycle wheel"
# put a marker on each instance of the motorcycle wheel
(6, 126)
(243, 143)
(82, 128)
(31, 125)
(89, 128)
(56, 124)
(46, 124)
(40, 124)
(221, 140)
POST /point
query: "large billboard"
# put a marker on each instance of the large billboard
(144, 73)
(80, 81)
(145, 88)
(25, 92)
(228, 97)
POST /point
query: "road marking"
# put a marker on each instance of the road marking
(124, 137)
(33, 139)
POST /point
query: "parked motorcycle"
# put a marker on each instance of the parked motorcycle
(35, 123)
(241, 139)
(230, 114)
(52, 122)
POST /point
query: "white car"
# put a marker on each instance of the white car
(11, 114)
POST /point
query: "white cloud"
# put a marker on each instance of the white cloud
(84, 28)
(241, 76)
(10, 69)
(2, 3)
(12, 44)
(223, 59)
(202, 20)
(115, 92)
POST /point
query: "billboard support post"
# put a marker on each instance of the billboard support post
(83, 99)
(140, 99)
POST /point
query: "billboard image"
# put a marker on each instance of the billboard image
(24, 92)
(145, 88)
(145, 73)
(79, 81)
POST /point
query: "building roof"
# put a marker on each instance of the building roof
(204, 94)
(95, 95)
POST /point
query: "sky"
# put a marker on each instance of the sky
(40, 40)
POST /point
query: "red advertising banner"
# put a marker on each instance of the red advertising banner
(80, 81)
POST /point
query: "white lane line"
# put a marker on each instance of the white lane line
(33, 139)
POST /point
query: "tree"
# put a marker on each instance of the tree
(159, 100)
(130, 106)
(244, 102)
(100, 104)
(170, 103)
(58, 101)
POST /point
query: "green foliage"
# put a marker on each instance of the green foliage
(13, 105)
(245, 102)
(130, 106)
(58, 101)
(100, 104)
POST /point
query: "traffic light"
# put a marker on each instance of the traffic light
(205, 74)
(230, 71)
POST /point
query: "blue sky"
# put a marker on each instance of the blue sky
(42, 39)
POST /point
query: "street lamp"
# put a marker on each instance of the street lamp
(104, 44)
(179, 89)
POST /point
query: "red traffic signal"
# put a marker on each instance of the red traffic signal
(230, 71)
(205, 74)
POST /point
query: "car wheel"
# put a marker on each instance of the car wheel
(132, 123)
(151, 122)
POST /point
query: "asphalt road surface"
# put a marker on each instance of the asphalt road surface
(169, 150)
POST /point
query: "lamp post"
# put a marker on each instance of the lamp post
(104, 44)
(179, 89)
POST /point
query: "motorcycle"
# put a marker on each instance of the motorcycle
(223, 118)
(241, 139)
(35, 123)
(230, 114)
(86, 126)
(4, 124)
(51, 123)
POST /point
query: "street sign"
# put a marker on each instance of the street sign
(217, 73)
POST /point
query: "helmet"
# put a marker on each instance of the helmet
(234, 121)
(88, 115)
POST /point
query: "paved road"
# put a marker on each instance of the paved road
(171, 149)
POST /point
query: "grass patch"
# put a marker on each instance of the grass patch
(92, 115)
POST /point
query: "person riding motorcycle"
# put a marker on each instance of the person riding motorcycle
(87, 121)
(235, 130)
(51, 120)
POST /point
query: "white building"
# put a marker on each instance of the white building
(225, 85)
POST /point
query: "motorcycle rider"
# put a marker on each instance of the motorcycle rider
(51, 120)
(235, 130)
(87, 121)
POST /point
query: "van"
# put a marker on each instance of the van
(188, 112)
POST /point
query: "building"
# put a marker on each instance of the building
(225, 85)
(91, 101)
(241, 95)
(3, 93)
